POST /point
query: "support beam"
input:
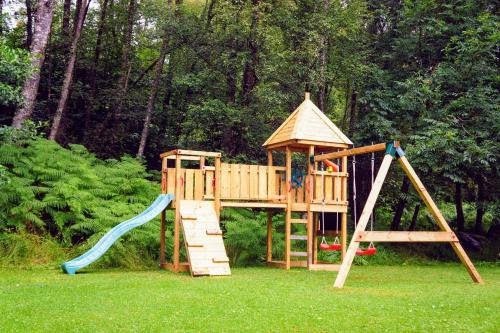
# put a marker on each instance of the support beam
(422, 191)
(288, 217)
(269, 236)
(310, 222)
(354, 151)
(217, 189)
(407, 236)
(178, 188)
(363, 220)
(343, 238)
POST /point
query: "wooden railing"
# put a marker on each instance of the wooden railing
(243, 182)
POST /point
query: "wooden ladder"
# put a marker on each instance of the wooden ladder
(203, 238)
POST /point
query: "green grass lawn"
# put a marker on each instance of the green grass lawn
(375, 299)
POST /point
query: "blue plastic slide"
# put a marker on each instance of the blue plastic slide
(70, 267)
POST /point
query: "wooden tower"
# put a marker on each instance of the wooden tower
(308, 131)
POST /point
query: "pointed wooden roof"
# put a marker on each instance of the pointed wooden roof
(307, 125)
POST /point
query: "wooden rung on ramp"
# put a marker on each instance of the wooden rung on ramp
(203, 238)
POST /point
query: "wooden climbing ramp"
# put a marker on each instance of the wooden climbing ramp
(203, 238)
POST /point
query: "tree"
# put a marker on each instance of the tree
(43, 22)
(68, 75)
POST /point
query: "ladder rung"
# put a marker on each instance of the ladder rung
(195, 243)
(298, 237)
(220, 259)
(189, 217)
(298, 254)
(214, 232)
(303, 221)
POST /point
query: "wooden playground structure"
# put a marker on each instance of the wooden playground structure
(203, 186)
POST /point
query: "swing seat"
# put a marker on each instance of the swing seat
(368, 252)
(330, 247)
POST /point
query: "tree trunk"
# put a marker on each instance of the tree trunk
(43, 22)
(1, 20)
(413, 223)
(459, 207)
(65, 21)
(250, 78)
(77, 15)
(93, 70)
(480, 206)
(323, 64)
(353, 114)
(154, 88)
(127, 42)
(29, 24)
(399, 208)
(68, 75)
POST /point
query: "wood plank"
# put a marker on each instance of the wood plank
(225, 181)
(328, 183)
(439, 218)
(407, 236)
(189, 180)
(220, 259)
(168, 153)
(363, 220)
(179, 189)
(199, 186)
(343, 236)
(171, 180)
(269, 238)
(298, 237)
(354, 151)
(235, 181)
(288, 215)
(209, 183)
(254, 182)
(310, 215)
(262, 182)
(197, 153)
(324, 267)
(244, 181)
(214, 232)
(298, 254)
(184, 158)
(298, 221)
(337, 189)
(217, 187)
(253, 204)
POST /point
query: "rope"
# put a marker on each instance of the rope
(323, 239)
(354, 190)
(337, 241)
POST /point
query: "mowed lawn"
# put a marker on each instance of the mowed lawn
(375, 299)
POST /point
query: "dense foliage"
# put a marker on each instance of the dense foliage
(14, 67)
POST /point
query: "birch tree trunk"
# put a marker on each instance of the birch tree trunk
(68, 75)
(43, 22)
(152, 96)
(29, 23)
(122, 85)
(154, 88)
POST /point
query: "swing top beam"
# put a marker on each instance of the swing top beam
(355, 151)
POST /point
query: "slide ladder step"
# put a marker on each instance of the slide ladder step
(214, 232)
(298, 237)
(298, 254)
(220, 259)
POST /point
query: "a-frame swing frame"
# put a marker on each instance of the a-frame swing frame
(360, 235)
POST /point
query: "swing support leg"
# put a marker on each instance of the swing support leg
(363, 221)
(438, 217)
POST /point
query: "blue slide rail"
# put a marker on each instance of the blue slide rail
(162, 202)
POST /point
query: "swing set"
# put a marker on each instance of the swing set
(305, 196)
(336, 246)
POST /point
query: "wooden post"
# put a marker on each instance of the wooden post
(288, 226)
(363, 221)
(436, 213)
(218, 182)
(310, 222)
(269, 236)
(315, 237)
(179, 186)
(163, 212)
(343, 235)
